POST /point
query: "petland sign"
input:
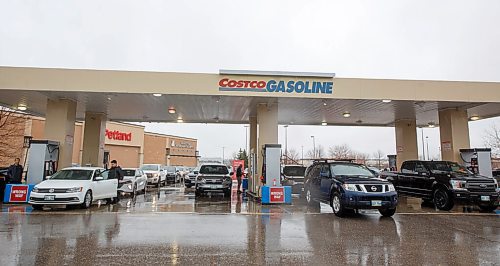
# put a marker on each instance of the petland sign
(277, 86)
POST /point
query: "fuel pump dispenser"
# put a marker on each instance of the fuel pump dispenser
(43, 156)
(478, 160)
(272, 191)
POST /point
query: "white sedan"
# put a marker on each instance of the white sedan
(75, 186)
(134, 180)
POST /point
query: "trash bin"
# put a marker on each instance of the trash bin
(245, 184)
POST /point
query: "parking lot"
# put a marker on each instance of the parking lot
(170, 225)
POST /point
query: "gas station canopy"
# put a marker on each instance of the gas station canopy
(232, 96)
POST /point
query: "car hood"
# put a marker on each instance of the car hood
(63, 183)
(362, 180)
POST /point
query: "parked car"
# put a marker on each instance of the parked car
(173, 174)
(444, 183)
(155, 174)
(190, 180)
(293, 175)
(213, 178)
(134, 180)
(349, 186)
(74, 186)
(496, 175)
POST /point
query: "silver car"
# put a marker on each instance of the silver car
(134, 180)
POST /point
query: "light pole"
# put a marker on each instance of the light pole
(428, 155)
(302, 160)
(423, 143)
(223, 154)
(246, 138)
(314, 147)
(286, 144)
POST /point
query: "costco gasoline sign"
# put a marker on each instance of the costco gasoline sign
(277, 86)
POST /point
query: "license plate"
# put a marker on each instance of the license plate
(376, 203)
(214, 186)
(485, 198)
(49, 197)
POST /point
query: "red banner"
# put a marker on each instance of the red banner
(277, 195)
(19, 194)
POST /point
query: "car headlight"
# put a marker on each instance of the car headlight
(74, 189)
(129, 186)
(458, 184)
(391, 188)
(155, 175)
(350, 187)
(35, 189)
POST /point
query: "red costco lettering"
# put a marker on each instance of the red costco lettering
(231, 83)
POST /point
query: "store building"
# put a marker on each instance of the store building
(127, 143)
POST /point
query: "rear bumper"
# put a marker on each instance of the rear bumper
(479, 198)
(360, 200)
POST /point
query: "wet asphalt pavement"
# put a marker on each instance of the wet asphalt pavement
(170, 226)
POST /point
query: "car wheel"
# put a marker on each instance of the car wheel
(442, 200)
(197, 193)
(308, 196)
(37, 207)
(387, 212)
(337, 205)
(87, 200)
(488, 208)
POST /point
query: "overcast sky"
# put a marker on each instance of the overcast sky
(441, 40)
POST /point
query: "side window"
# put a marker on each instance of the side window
(103, 173)
(408, 168)
(316, 171)
(420, 168)
(325, 170)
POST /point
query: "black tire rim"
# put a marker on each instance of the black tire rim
(440, 199)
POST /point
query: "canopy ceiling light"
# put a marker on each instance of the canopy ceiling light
(346, 114)
(180, 120)
(156, 94)
(22, 107)
(386, 101)
(474, 117)
(324, 123)
(171, 110)
(431, 125)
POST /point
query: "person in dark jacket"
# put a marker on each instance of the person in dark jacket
(239, 175)
(15, 172)
(116, 172)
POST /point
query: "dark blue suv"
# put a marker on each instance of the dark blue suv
(349, 186)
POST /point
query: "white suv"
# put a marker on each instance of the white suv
(155, 174)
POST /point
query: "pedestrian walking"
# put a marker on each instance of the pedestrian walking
(239, 175)
(116, 172)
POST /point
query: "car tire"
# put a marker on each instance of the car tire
(87, 200)
(308, 197)
(197, 193)
(387, 212)
(37, 207)
(488, 208)
(337, 205)
(442, 200)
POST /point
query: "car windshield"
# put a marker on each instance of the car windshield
(449, 167)
(150, 167)
(351, 170)
(214, 170)
(129, 172)
(294, 170)
(170, 169)
(74, 174)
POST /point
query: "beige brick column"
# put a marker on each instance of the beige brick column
(60, 126)
(454, 133)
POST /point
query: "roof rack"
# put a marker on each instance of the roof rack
(326, 160)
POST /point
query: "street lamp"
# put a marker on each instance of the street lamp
(223, 154)
(428, 155)
(286, 144)
(314, 147)
(246, 138)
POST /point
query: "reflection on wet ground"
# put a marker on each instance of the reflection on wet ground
(170, 226)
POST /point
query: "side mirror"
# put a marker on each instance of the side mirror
(99, 178)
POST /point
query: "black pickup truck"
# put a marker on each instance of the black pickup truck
(444, 183)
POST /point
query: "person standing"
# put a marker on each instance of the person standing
(239, 175)
(15, 172)
(116, 172)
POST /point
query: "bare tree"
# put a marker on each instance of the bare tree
(492, 139)
(11, 135)
(379, 155)
(320, 152)
(360, 157)
(293, 155)
(340, 152)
